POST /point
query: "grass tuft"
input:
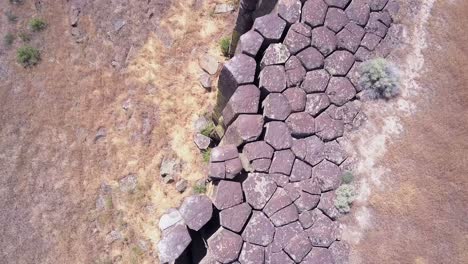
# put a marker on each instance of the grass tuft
(206, 155)
(37, 24)
(199, 189)
(28, 56)
(225, 44)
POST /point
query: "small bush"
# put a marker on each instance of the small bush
(25, 37)
(206, 155)
(381, 77)
(11, 17)
(28, 56)
(199, 189)
(345, 195)
(9, 39)
(225, 44)
(208, 130)
(347, 177)
(37, 24)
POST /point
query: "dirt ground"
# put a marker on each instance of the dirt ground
(91, 113)
(414, 206)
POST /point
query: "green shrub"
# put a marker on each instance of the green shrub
(9, 39)
(208, 130)
(37, 24)
(11, 17)
(225, 44)
(206, 155)
(381, 77)
(345, 195)
(28, 56)
(347, 177)
(199, 189)
(25, 37)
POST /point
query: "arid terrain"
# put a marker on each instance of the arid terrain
(103, 103)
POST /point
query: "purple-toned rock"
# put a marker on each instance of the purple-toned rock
(290, 10)
(223, 153)
(275, 54)
(234, 218)
(370, 41)
(246, 128)
(249, 43)
(278, 201)
(316, 103)
(245, 100)
(285, 216)
(217, 170)
(340, 252)
(271, 27)
(338, 3)
(208, 259)
(225, 246)
(298, 37)
(307, 202)
(301, 171)
(374, 25)
(280, 179)
(301, 124)
(393, 7)
(284, 234)
(324, 231)
(170, 218)
(273, 79)
(358, 11)
(196, 211)
(233, 168)
(319, 255)
(336, 19)
(324, 40)
(314, 12)
(202, 141)
(173, 243)
(347, 40)
(278, 258)
(258, 190)
(347, 113)
(327, 205)
(298, 247)
(295, 72)
(227, 194)
(276, 107)
(311, 186)
(328, 175)
(252, 254)
(258, 150)
(354, 76)
(278, 135)
(339, 62)
(363, 54)
(340, 90)
(259, 230)
(261, 165)
(296, 98)
(327, 128)
(311, 150)
(282, 162)
(357, 30)
(294, 190)
(334, 152)
(307, 219)
(377, 5)
(316, 81)
(237, 71)
(311, 58)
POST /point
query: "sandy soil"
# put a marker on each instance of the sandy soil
(412, 205)
(139, 85)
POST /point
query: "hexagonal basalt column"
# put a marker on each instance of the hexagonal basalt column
(271, 27)
(311, 58)
(327, 128)
(224, 162)
(324, 40)
(259, 230)
(250, 43)
(295, 72)
(314, 12)
(301, 124)
(298, 37)
(337, 3)
(336, 19)
(340, 90)
(275, 54)
(282, 162)
(358, 11)
(276, 107)
(273, 79)
(246, 128)
(245, 100)
(339, 62)
(196, 211)
(227, 194)
(311, 150)
(328, 175)
(234, 218)
(278, 135)
(316, 81)
(296, 98)
(258, 189)
(290, 10)
(316, 103)
(225, 246)
(252, 254)
(173, 243)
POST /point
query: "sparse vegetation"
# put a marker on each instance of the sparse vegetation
(9, 39)
(199, 189)
(206, 155)
(225, 44)
(208, 130)
(345, 195)
(347, 177)
(25, 37)
(37, 24)
(381, 77)
(28, 56)
(11, 17)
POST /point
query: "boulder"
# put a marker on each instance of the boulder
(173, 243)
(227, 194)
(181, 185)
(208, 63)
(170, 218)
(234, 218)
(196, 210)
(202, 141)
(225, 246)
(205, 80)
(259, 230)
(258, 189)
(223, 8)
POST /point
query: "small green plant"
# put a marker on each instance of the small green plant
(208, 130)
(28, 56)
(345, 195)
(11, 17)
(37, 24)
(199, 189)
(9, 39)
(347, 177)
(381, 77)
(206, 155)
(25, 37)
(225, 44)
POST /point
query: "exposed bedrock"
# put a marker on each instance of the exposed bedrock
(287, 97)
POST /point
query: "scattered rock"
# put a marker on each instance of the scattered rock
(223, 8)
(100, 134)
(205, 80)
(169, 169)
(181, 185)
(128, 183)
(208, 63)
(170, 218)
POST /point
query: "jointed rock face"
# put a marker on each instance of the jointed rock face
(277, 205)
